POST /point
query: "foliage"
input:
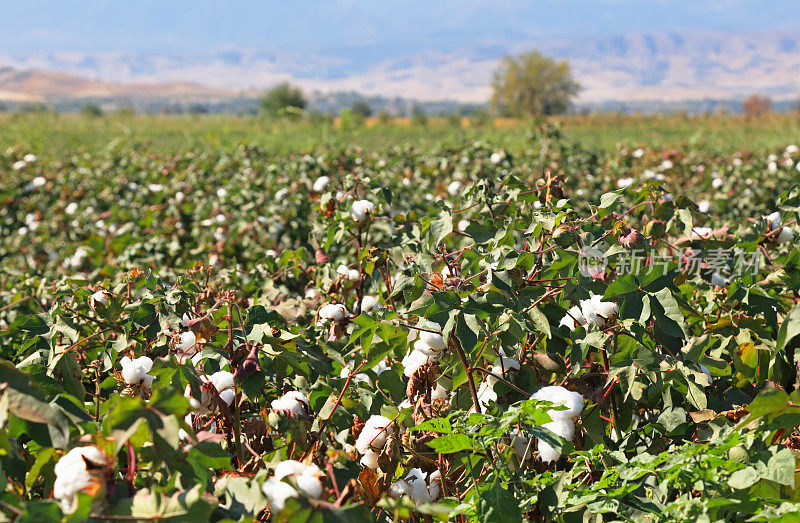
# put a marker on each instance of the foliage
(531, 84)
(690, 385)
(283, 99)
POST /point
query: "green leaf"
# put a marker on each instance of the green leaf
(441, 227)
(497, 505)
(790, 328)
(450, 443)
(440, 425)
(744, 478)
(768, 401)
(608, 199)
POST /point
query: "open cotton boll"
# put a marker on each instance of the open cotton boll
(716, 183)
(786, 235)
(704, 206)
(187, 341)
(559, 396)
(135, 372)
(415, 359)
(294, 402)
(321, 184)
(622, 183)
(462, 225)
(361, 210)
(307, 477)
(351, 274)
(360, 377)
(415, 486)
(99, 297)
(573, 318)
(454, 188)
(432, 339)
(373, 435)
(370, 459)
(597, 311)
(496, 158)
(72, 476)
(369, 303)
(774, 219)
(222, 381)
(333, 311)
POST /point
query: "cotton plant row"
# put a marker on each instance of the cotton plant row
(430, 348)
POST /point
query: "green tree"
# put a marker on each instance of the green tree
(531, 84)
(283, 98)
(91, 110)
(361, 108)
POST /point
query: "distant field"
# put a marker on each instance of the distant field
(53, 135)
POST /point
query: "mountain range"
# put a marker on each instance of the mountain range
(666, 67)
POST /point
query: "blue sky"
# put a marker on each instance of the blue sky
(386, 25)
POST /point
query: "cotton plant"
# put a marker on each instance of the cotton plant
(321, 184)
(307, 477)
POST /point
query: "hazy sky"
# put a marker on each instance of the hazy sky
(306, 25)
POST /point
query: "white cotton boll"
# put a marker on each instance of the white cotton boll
(774, 219)
(573, 318)
(496, 158)
(454, 188)
(333, 311)
(622, 183)
(772, 167)
(277, 493)
(716, 183)
(439, 393)
(414, 360)
(666, 165)
(486, 393)
(704, 206)
(311, 293)
(293, 401)
(361, 210)
(369, 303)
(374, 434)
(19, 165)
(222, 192)
(424, 348)
(29, 158)
(134, 372)
(187, 341)
(597, 311)
(72, 475)
(546, 452)
(786, 235)
(71, 208)
(792, 149)
(462, 225)
(321, 184)
(400, 488)
(155, 187)
(99, 297)
(737, 162)
(432, 339)
(307, 478)
(370, 459)
(701, 233)
(560, 396)
(719, 280)
(637, 153)
(222, 380)
(271, 253)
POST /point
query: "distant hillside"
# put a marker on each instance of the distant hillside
(628, 68)
(35, 85)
